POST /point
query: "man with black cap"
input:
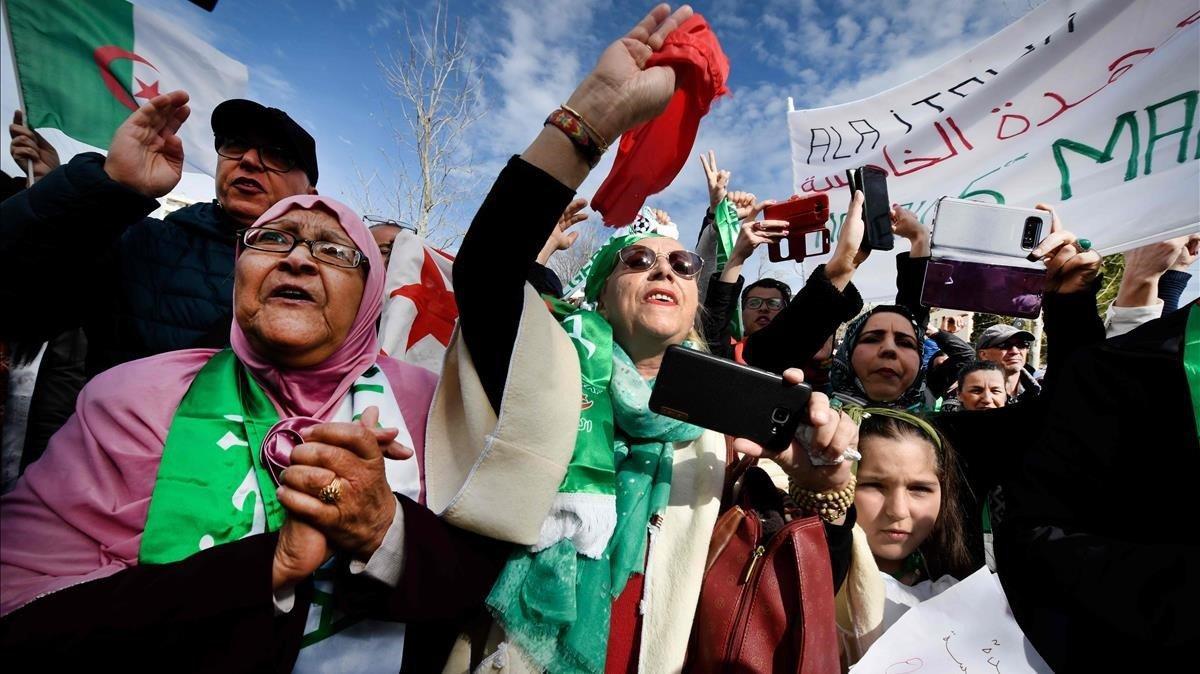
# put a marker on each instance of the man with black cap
(77, 248)
(1008, 347)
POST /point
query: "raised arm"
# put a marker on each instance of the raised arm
(491, 266)
(72, 217)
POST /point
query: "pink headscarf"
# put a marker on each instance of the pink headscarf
(318, 390)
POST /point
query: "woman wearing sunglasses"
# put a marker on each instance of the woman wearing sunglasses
(610, 578)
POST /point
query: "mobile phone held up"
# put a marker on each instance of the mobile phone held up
(730, 398)
(805, 216)
(978, 259)
(877, 208)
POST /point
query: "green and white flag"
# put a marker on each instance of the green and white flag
(83, 67)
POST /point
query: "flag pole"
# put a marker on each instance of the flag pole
(12, 54)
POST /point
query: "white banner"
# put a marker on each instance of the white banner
(1090, 105)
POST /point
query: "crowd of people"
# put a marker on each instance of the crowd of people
(220, 470)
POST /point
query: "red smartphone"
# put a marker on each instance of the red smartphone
(805, 216)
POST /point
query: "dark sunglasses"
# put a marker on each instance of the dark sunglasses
(684, 263)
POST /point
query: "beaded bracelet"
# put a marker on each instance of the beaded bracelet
(580, 133)
(828, 505)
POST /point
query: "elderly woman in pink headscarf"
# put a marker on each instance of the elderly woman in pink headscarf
(255, 508)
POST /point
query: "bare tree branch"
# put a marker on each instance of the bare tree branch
(433, 80)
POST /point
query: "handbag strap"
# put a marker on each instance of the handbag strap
(817, 642)
(736, 466)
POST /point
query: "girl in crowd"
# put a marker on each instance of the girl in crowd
(910, 531)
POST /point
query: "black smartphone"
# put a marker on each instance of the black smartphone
(729, 397)
(877, 207)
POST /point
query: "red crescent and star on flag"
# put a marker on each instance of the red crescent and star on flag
(436, 309)
(104, 56)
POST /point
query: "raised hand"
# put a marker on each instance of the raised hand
(848, 253)
(1188, 254)
(146, 155)
(908, 225)
(560, 238)
(747, 206)
(754, 234)
(827, 436)
(718, 180)
(29, 146)
(1069, 268)
(621, 92)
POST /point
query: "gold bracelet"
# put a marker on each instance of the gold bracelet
(828, 505)
(600, 140)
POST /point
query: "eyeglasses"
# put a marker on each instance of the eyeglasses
(279, 241)
(273, 157)
(773, 303)
(685, 263)
(1022, 345)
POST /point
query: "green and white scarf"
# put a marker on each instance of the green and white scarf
(212, 488)
(554, 600)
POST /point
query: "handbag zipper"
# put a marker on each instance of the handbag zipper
(778, 540)
(754, 557)
(743, 597)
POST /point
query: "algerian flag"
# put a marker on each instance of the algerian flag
(83, 67)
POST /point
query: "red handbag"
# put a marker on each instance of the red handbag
(767, 601)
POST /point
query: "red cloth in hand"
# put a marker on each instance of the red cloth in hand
(652, 154)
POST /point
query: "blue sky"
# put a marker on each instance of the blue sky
(317, 60)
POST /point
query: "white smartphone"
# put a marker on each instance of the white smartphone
(973, 231)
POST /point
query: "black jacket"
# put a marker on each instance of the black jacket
(1096, 552)
(214, 610)
(800, 330)
(77, 250)
(720, 302)
(992, 444)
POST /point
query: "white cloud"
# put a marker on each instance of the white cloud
(387, 16)
(345, 5)
(269, 86)
(535, 62)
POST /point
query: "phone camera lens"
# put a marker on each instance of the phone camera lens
(780, 415)
(1029, 236)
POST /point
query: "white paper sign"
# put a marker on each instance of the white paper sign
(968, 628)
(1090, 105)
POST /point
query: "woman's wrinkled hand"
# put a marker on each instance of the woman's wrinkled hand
(300, 550)
(827, 435)
(621, 92)
(353, 454)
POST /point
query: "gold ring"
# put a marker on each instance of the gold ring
(331, 492)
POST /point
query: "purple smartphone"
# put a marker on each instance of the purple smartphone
(990, 288)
